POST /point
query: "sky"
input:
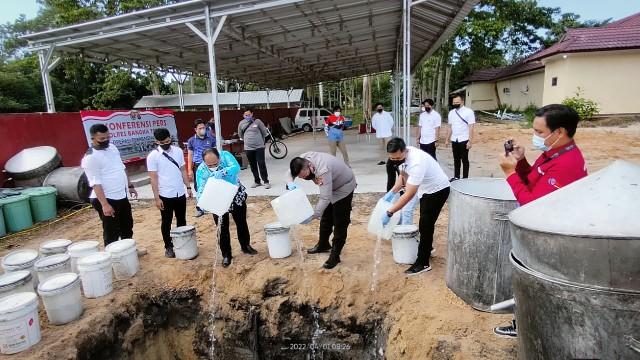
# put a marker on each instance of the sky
(587, 9)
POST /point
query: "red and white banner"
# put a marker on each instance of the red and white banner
(131, 131)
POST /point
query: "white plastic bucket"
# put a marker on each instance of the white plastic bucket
(22, 260)
(19, 323)
(292, 207)
(16, 282)
(53, 247)
(95, 272)
(52, 265)
(124, 257)
(61, 297)
(404, 242)
(217, 196)
(375, 221)
(184, 242)
(80, 249)
(278, 240)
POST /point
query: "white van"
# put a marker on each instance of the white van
(305, 116)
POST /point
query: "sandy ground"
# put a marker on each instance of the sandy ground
(424, 319)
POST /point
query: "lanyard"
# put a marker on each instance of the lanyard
(554, 156)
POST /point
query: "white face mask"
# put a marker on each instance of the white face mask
(337, 113)
(215, 168)
(538, 142)
(201, 132)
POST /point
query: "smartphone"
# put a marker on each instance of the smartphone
(508, 147)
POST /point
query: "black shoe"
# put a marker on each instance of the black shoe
(381, 163)
(249, 250)
(199, 213)
(169, 253)
(319, 249)
(226, 261)
(453, 179)
(507, 331)
(331, 262)
(417, 269)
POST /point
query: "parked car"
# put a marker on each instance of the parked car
(307, 118)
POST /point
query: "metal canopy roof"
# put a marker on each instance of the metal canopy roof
(277, 43)
(224, 99)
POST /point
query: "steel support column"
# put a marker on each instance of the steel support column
(406, 64)
(212, 35)
(46, 66)
(180, 80)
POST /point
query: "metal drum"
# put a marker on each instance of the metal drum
(30, 166)
(71, 183)
(576, 255)
(478, 268)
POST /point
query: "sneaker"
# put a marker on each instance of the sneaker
(267, 186)
(417, 269)
(169, 253)
(381, 163)
(199, 213)
(508, 331)
(255, 185)
(453, 179)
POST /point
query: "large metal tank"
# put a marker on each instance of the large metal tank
(29, 167)
(576, 259)
(478, 268)
(71, 183)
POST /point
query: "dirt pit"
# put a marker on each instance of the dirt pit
(263, 308)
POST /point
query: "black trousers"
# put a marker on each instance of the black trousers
(239, 214)
(430, 207)
(194, 169)
(336, 218)
(115, 227)
(460, 154)
(257, 161)
(429, 149)
(177, 206)
(392, 172)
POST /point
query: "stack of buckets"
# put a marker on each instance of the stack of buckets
(19, 212)
(56, 274)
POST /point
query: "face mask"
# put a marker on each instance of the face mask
(380, 111)
(428, 109)
(311, 176)
(201, 132)
(337, 113)
(165, 146)
(538, 142)
(215, 168)
(102, 145)
(396, 163)
(248, 117)
(456, 106)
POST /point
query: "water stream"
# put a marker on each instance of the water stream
(377, 258)
(212, 315)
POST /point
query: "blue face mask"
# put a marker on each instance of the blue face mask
(538, 142)
(248, 117)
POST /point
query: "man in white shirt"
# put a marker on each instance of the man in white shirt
(428, 132)
(460, 132)
(169, 178)
(422, 175)
(105, 171)
(382, 121)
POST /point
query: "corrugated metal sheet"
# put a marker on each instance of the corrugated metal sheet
(285, 46)
(225, 99)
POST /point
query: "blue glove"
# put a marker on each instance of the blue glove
(385, 219)
(390, 196)
(291, 186)
(307, 221)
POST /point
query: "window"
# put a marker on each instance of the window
(324, 113)
(303, 113)
(506, 90)
(554, 81)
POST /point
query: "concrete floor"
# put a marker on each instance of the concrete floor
(363, 155)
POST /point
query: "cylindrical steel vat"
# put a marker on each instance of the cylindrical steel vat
(576, 259)
(478, 268)
(71, 182)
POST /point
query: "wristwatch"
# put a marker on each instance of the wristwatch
(131, 186)
(389, 214)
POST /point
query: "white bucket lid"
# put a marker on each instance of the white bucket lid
(14, 279)
(405, 229)
(58, 283)
(95, 258)
(183, 229)
(120, 246)
(55, 244)
(82, 246)
(52, 261)
(17, 302)
(25, 257)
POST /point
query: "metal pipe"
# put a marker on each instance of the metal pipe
(212, 35)
(503, 305)
(46, 81)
